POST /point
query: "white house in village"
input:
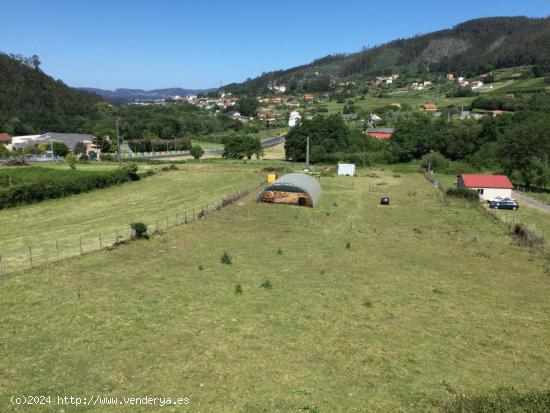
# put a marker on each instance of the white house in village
(294, 118)
(487, 186)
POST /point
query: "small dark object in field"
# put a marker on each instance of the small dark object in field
(226, 258)
(139, 230)
(348, 245)
(173, 167)
(322, 272)
(482, 254)
(384, 200)
(238, 289)
(78, 292)
(17, 162)
(396, 176)
(279, 252)
(335, 204)
(202, 214)
(438, 291)
(411, 193)
(201, 268)
(418, 231)
(266, 284)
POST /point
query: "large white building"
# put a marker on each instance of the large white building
(294, 118)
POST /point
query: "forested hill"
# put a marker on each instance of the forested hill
(469, 48)
(33, 102)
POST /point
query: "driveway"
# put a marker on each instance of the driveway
(531, 202)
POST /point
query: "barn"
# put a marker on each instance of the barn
(293, 189)
(487, 186)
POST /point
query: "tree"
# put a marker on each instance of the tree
(525, 149)
(3, 150)
(247, 106)
(79, 148)
(196, 151)
(241, 146)
(60, 149)
(102, 142)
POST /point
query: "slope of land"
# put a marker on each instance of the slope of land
(372, 308)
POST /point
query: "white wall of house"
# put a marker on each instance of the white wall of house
(489, 193)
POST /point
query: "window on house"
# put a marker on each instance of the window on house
(480, 191)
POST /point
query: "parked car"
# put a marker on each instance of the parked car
(504, 203)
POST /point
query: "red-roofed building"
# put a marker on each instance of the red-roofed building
(429, 106)
(5, 139)
(380, 133)
(487, 186)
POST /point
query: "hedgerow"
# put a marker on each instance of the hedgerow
(39, 189)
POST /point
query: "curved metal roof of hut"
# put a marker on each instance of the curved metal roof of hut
(296, 182)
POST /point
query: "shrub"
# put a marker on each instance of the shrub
(435, 161)
(131, 168)
(196, 151)
(17, 162)
(279, 252)
(238, 289)
(139, 230)
(526, 237)
(348, 245)
(368, 303)
(71, 160)
(463, 193)
(107, 157)
(226, 258)
(201, 268)
(266, 284)
(504, 399)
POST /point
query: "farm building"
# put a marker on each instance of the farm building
(487, 186)
(380, 133)
(294, 189)
(346, 169)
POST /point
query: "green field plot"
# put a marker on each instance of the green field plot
(349, 307)
(106, 211)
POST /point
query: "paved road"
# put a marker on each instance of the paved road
(531, 202)
(266, 143)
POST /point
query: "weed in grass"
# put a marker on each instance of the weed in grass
(322, 272)
(335, 204)
(266, 284)
(418, 231)
(238, 289)
(279, 252)
(438, 291)
(310, 409)
(201, 268)
(368, 303)
(348, 245)
(226, 258)
(396, 176)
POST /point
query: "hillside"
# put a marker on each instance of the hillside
(129, 95)
(471, 47)
(33, 102)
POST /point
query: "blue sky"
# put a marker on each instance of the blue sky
(195, 44)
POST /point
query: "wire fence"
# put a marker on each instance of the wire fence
(60, 249)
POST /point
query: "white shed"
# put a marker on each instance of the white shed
(346, 169)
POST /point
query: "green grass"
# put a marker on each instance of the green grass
(102, 211)
(417, 304)
(206, 144)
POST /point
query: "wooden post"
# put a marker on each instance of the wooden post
(57, 250)
(30, 255)
(1, 266)
(166, 221)
(185, 217)
(81, 245)
(99, 236)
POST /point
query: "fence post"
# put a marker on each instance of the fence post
(1, 266)
(57, 250)
(30, 255)
(81, 245)
(193, 214)
(116, 235)
(99, 236)
(166, 221)
(185, 218)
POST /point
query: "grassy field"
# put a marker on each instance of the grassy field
(103, 211)
(372, 308)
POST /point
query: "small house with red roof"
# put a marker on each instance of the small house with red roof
(5, 139)
(487, 186)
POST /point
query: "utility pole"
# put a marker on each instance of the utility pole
(307, 152)
(51, 147)
(118, 145)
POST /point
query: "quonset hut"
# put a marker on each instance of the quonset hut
(294, 189)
